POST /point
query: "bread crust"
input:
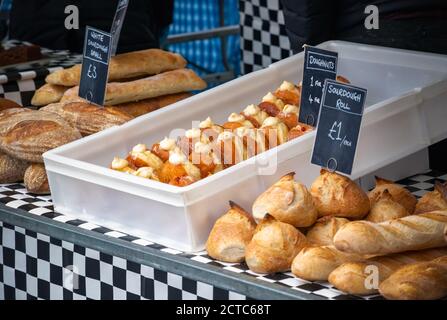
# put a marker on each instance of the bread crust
(288, 201)
(399, 194)
(11, 169)
(48, 93)
(339, 196)
(36, 180)
(323, 231)
(434, 200)
(230, 235)
(385, 208)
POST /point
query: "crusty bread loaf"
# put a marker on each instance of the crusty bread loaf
(385, 208)
(339, 196)
(8, 104)
(88, 118)
(125, 66)
(399, 194)
(27, 134)
(170, 82)
(36, 180)
(138, 108)
(230, 235)
(316, 263)
(414, 232)
(48, 93)
(288, 201)
(434, 200)
(273, 246)
(357, 277)
(322, 233)
(11, 170)
(419, 281)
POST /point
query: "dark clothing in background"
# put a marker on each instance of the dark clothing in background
(401, 22)
(42, 22)
(405, 24)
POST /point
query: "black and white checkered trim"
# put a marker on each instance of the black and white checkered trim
(16, 196)
(263, 36)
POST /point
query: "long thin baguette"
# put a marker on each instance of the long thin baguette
(48, 93)
(414, 232)
(125, 66)
(357, 277)
(162, 84)
(420, 281)
(316, 263)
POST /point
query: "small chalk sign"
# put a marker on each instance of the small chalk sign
(338, 126)
(95, 65)
(117, 24)
(319, 65)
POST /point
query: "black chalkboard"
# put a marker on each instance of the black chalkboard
(319, 65)
(95, 65)
(117, 24)
(338, 126)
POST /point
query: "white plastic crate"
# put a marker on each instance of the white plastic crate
(404, 114)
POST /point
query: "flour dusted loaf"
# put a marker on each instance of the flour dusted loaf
(125, 66)
(27, 134)
(339, 196)
(230, 235)
(88, 118)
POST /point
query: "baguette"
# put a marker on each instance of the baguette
(316, 263)
(125, 66)
(230, 235)
(36, 180)
(414, 232)
(419, 281)
(162, 84)
(88, 118)
(27, 134)
(48, 93)
(322, 233)
(11, 170)
(357, 277)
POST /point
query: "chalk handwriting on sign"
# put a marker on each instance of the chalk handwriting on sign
(338, 126)
(319, 65)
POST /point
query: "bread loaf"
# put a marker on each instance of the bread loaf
(11, 170)
(36, 180)
(434, 200)
(125, 66)
(48, 93)
(358, 278)
(398, 193)
(419, 281)
(88, 118)
(316, 263)
(322, 233)
(162, 84)
(273, 246)
(385, 208)
(8, 104)
(27, 134)
(414, 232)
(288, 201)
(339, 196)
(230, 235)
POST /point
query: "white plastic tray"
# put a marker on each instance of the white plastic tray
(404, 114)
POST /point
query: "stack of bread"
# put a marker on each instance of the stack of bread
(212, 147)
(148, 80)
(385, 241)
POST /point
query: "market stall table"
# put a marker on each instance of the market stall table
(47, 255)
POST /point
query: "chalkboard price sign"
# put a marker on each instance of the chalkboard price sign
(117, 24)
(319, 65)
(95, 65)
(338, 126)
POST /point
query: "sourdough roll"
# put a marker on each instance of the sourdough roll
(288, 201)
(36, 180)
(415, 232)
(273, 246)
(230, 235)
(398, 193)
(385, 208)
(11, 169)
(339, 196)
(434, 200)
(322, 233)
